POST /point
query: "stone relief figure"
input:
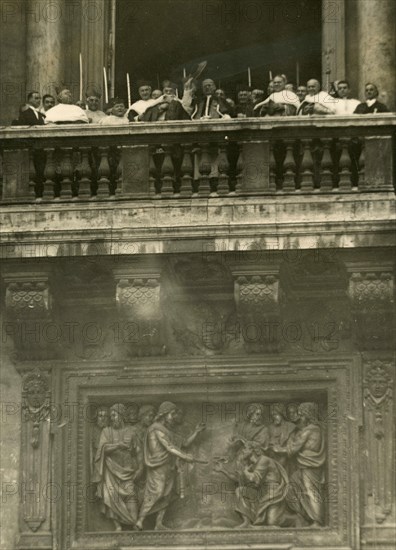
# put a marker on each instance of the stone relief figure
(305, 495)
(292, 412)
(118, 465)
(160, 454)
(279, 430)
(252, 429)
(102, 421)
(261, 487)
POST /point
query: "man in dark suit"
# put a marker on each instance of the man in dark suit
(371, 105)
(32, 116)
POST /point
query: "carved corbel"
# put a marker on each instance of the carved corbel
(35, 461)
(29, 309)
(257, 302)
(139, 307)
(378, 411)
(371, 294)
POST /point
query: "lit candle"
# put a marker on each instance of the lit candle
(129, 90)
(106, 90)
(249, 78)
(81, 79)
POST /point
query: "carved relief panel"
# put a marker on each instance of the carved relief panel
(229, 452)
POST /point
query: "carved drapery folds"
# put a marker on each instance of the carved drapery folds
(138, 302)
(29, 310)
(257, 303)
(35, 459)
(378, 410)
(371, 293)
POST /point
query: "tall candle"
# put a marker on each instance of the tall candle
(129, 90)
(207, 106)
(106, 89)
(81, 78)
(249, 78)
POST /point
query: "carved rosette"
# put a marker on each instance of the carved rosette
(35, 451)
(257, 302)
(378, 409)
(138, 301)
(371, 294)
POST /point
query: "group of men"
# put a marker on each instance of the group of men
(138, 456)
(279, 468)
(206, 103)
(135, 454)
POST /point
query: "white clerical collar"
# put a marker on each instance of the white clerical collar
(371, 102)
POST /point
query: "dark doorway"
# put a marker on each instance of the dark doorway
(156, 39)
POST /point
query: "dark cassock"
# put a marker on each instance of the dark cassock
(371, 107)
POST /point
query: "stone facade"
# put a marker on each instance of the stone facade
(217, 316)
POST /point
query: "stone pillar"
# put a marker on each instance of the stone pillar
(377, 48)
(94, 43)
(45, 44)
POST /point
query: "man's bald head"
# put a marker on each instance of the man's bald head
(313, 86)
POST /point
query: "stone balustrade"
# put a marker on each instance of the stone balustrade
(297, 155)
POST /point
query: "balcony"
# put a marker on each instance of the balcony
(302, 181)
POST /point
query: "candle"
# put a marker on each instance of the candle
(129, 90)
(106, 90)
(207, 106)
(249, 78)
(81, 79)
(177, 93)
(270, 75)
(184, 72)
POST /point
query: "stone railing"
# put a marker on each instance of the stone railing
(198, 159)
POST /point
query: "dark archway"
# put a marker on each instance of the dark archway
(156, 39)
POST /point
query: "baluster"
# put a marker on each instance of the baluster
(155, 182)
(66, 174)
(307, 167)
(205, 168)
(32, 177)
(187, 171)
(84, 188)
(289, 183)
(362, 164)
(49, 175)
(167, 174)
(223, 187)
(326, 172)
(239, 171)
(272, 168)
(118, 176)
(103, 174)
(345, 166)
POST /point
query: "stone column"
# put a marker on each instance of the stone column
(377, 47)
(45, 44)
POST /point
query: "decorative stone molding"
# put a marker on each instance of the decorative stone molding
(28, 298)
(257, 297)
(35, 461)
(371, 293)
(28, 301)
(138, 301)
(378, 422)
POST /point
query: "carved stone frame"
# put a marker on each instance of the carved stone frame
(239, 378)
